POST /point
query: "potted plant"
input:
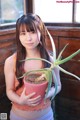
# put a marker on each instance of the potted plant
(36, 82)
(43, 77)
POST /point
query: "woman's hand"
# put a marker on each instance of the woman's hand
(27, 100)
(52, 91)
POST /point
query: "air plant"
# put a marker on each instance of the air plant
(47, 73)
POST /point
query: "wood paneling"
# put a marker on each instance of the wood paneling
(73, 65)
(67, 102)
(67, 109)
(7, 47)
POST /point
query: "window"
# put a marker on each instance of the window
(77, 12)
(10, 10)
(58, 11)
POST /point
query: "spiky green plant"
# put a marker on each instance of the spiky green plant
(48, 72)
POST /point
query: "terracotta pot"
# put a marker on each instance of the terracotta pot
(39, 89)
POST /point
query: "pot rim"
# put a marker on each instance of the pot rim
(29, 83)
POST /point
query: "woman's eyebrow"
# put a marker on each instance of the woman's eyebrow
(22, 31)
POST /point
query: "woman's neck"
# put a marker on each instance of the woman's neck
(33, 53)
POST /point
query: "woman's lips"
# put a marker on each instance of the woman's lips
(29, 43)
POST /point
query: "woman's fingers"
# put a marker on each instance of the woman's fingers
(35, 100)
(30, 95)
(34, 104)
(29, 100)
(24, 91)
(27, 96)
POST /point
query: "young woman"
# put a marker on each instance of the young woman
(30, 41)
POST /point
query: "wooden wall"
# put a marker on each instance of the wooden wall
(68, 100)
(7, 47)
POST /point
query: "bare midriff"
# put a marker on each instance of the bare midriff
(30, 114)
(43, 105)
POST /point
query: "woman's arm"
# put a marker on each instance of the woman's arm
(57, 74)
(10, 85)
(9, 79)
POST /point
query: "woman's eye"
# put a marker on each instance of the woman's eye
(32, 32)
(22, 33)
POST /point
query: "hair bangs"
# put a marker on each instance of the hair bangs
(29, 26)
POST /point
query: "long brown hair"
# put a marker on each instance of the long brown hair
(32, 22)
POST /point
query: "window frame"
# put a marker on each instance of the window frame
(73, 24)
(29, 8)
(13, 24)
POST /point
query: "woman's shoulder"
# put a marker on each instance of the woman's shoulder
(11, 59)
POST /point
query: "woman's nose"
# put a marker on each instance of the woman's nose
(28, 37)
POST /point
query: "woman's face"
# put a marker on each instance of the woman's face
(29, 39)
